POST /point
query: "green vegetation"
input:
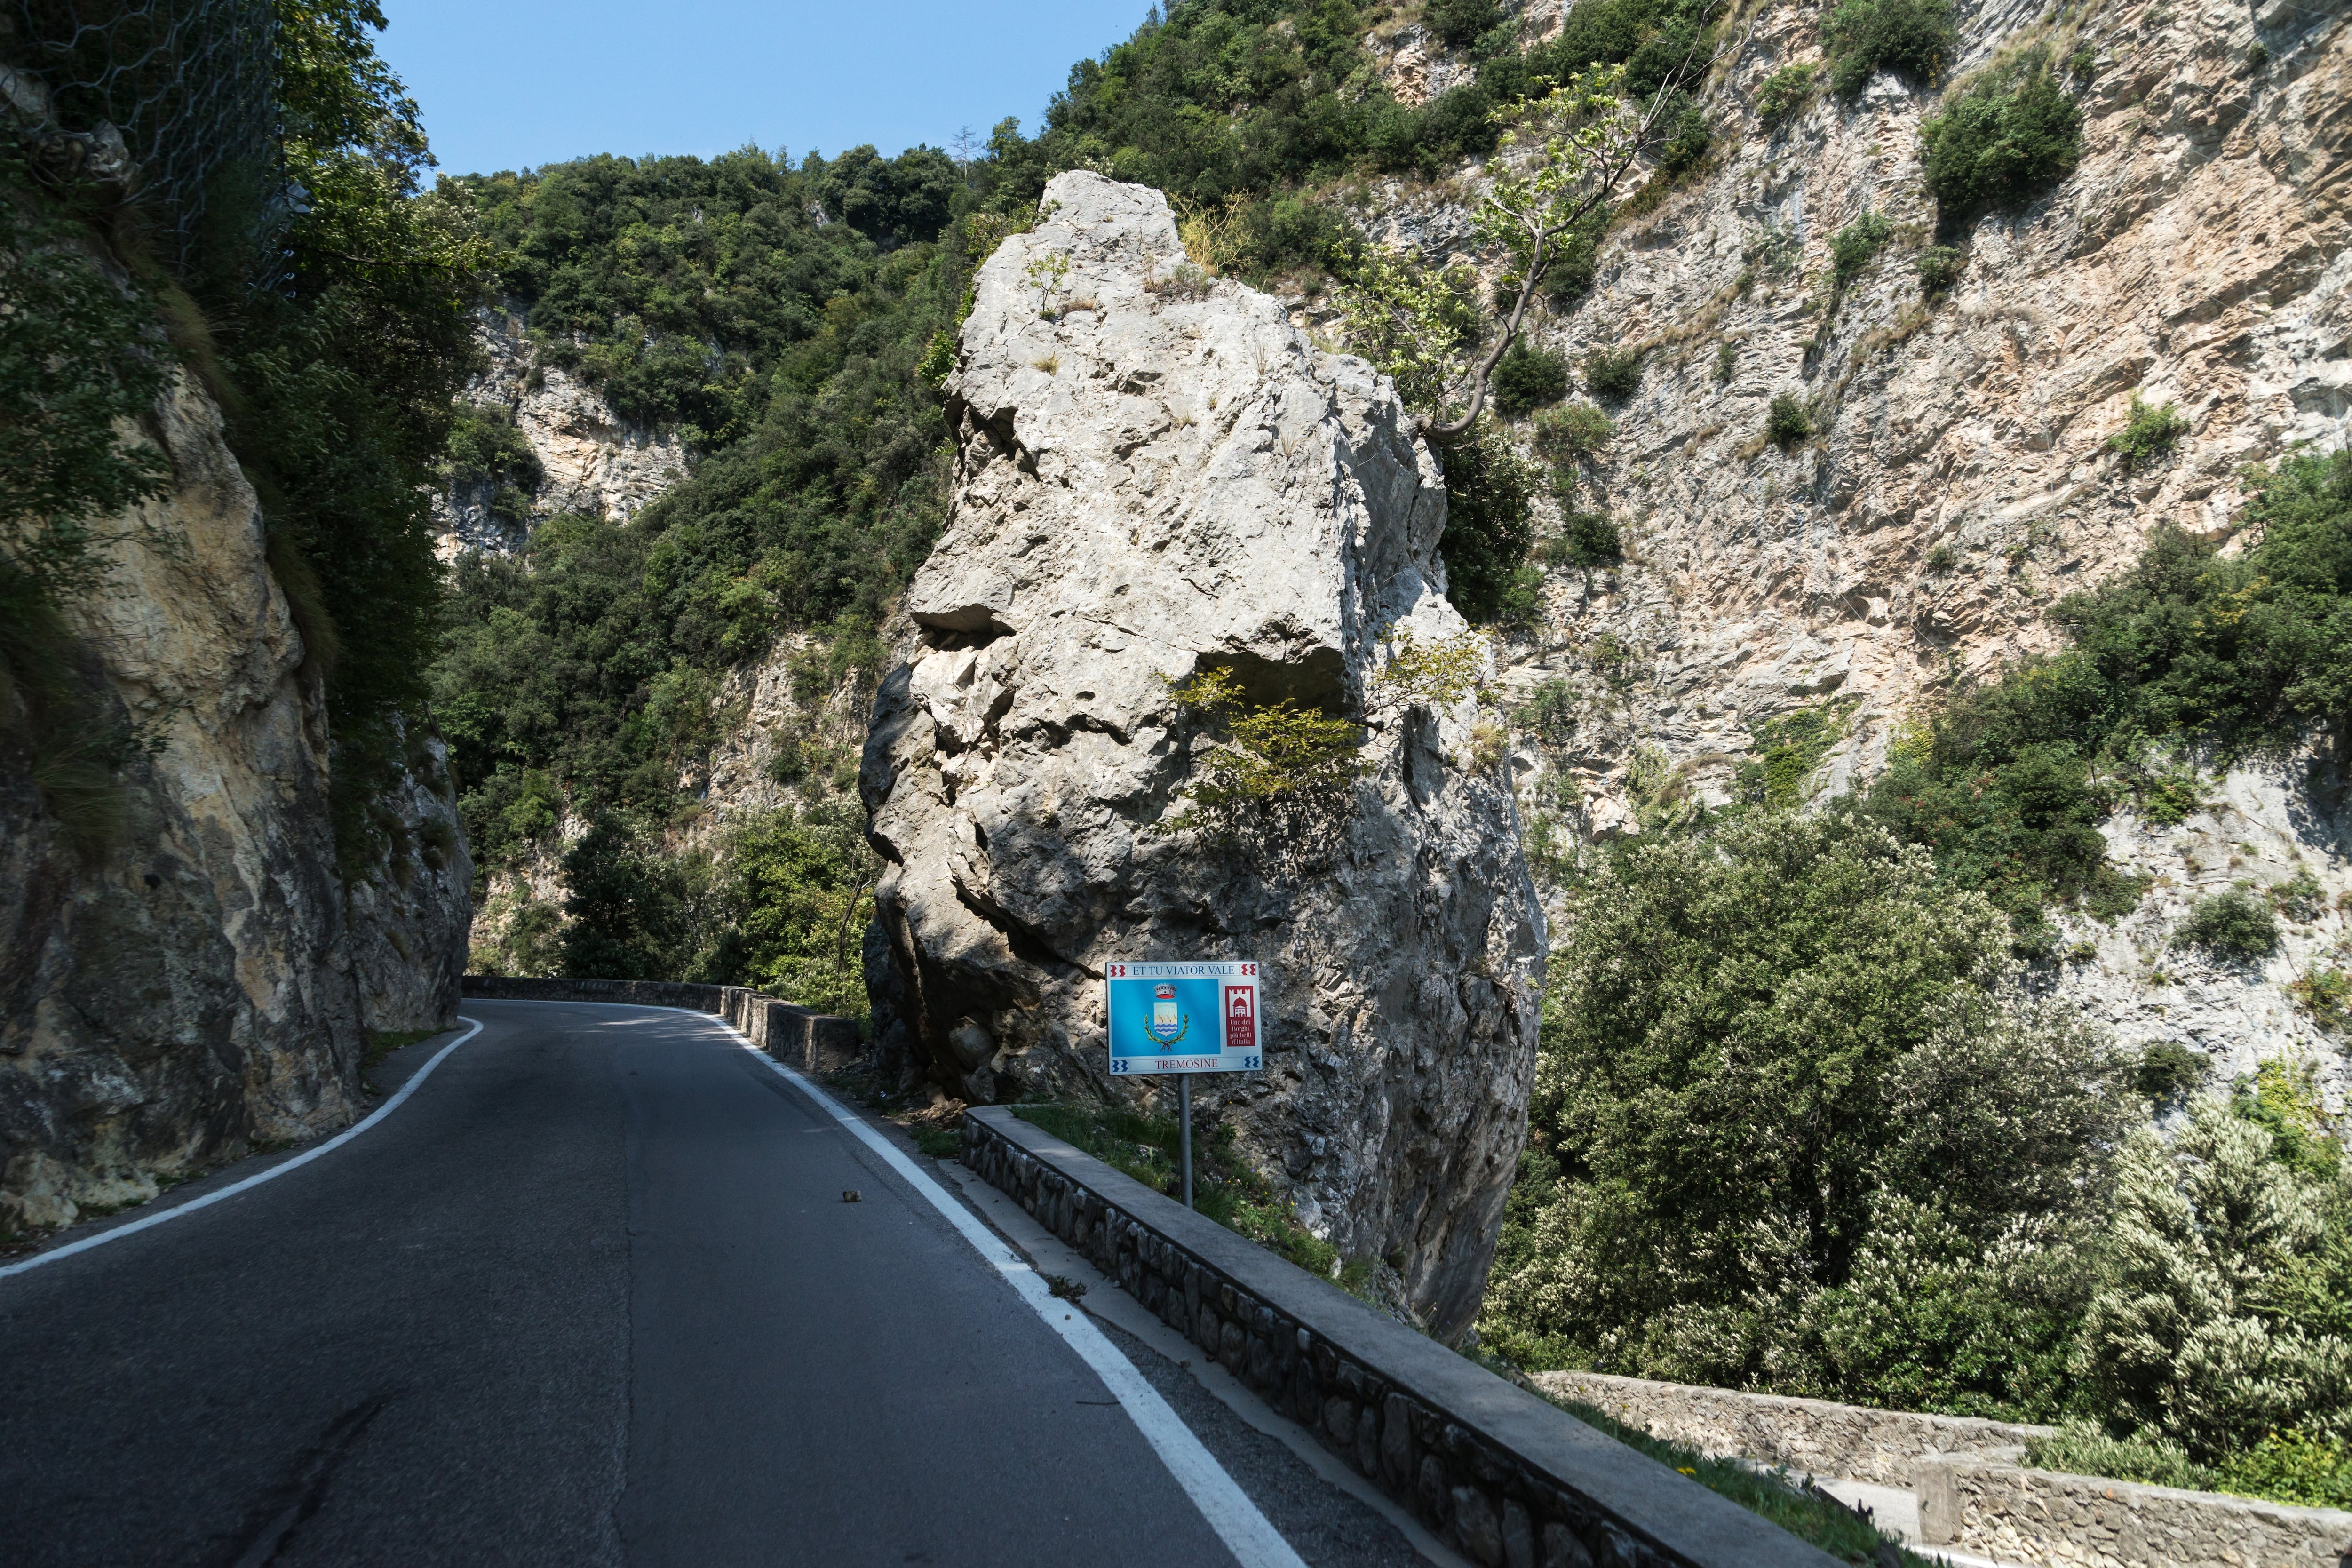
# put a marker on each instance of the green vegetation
(1785, 94)
(1224, 1186)
(1489, 521)
(2169, 1071)
(2009, 781)
(2230, 925)
(2148, 436)
(1940, 267)
(1587, 540)
(1800, 1001)
(1614, 373)
(335, 380)
(1787, 421)
(1913, 38)
(1810, 1516)
(1527, 379)
(1856, 246)
(2007, 135)
(1575, 434)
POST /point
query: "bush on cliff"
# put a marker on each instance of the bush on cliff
(2003, 139)
(1790, 1130)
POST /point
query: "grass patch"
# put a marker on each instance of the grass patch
(1224, 1188)
(1810, 1516)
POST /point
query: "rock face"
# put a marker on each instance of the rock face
(189, 988)
(2201, 255)
(1169, 477)
(595, 461)
(412, 910)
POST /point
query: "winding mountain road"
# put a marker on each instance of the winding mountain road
(592, 1294)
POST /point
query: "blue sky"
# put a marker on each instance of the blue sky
(507, 83)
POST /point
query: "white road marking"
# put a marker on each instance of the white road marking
(1237, 1519)
(304, 1158)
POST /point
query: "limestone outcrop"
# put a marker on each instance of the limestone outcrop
(185, 985)
(1158, 475)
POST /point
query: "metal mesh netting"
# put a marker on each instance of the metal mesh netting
(174, 96)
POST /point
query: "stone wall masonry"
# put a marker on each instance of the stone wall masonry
(1509, 1479)
(801, 1036)
(1983, 1503)
(642, 992)
(1813, 1436)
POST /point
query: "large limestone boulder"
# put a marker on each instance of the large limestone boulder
(1158, 475)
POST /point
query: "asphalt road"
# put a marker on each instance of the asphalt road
(591, 1296)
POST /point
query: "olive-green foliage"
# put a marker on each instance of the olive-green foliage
(1550, 713)
(2225, 1295)
(1855, 246)
(1279, 785)
(1788, 748)
(1587, 540)
(1784, 95)
(795, 894)
(1575, 434)
(2244, 652)
(1940, 267)
(2292, 1467)
(2006, 137)
(2149, 435)
(2083, 1447)
(1787, 421)
(2230, 925)
(1489, 521)
(2326, 994)
(1786, 1118)
(1527, 378)
(626, 905)
(1913, 38)
(2168, 1071)
(486, 451)
(1614, 373)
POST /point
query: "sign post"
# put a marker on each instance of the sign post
(1183, 1018)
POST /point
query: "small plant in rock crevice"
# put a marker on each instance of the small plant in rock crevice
(1940, 267)
(1855, 246)
(2149, 435)
(1614, 373)
(1787, 421)
(2230, 925)
(1784, 95)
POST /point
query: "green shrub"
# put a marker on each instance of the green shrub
(1940, 267)
(1587, 539)
(2081, 1448)
(1528, 378)
(1550, 713)
(1489, 521)
(2008, 136)
(1794, 999)
(1913, 38)
(2292, 1467)
(1683, 137)
(1575, 434)
(1855, 247)
(1784, 95)
(1458, 24)
(1727, 360)
(2169, 1071)
(1787, 421)
(2230, 925)
(2326, 996)
(1613, 372)
(2149, 435)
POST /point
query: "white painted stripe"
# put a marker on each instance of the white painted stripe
(304, 1158)
(1237, 1519)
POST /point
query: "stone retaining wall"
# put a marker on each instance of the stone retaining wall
(811, 1041)
(1982, 1503)
(1813, 1436)
(1511, 1481)
(644, 993)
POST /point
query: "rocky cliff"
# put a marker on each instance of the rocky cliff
(1960, 482)
(198, 979)
(1159, 475)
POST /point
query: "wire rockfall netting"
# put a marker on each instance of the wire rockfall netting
(170, 96)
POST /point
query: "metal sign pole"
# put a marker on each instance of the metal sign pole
(1184, 1112)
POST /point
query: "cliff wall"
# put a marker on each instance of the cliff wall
(199, 979)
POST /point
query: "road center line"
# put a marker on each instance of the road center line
(1253, 1542)
(304, 1158)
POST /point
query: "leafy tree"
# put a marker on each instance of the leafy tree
(626, 908)
(2231, 925)
(1489, 520)
(796, 891)
(1527, 379)
(1782, 1067)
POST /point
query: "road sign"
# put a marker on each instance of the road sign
(1184, 1017)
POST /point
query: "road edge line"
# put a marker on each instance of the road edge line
(1237, 1521)
(209, 1199)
